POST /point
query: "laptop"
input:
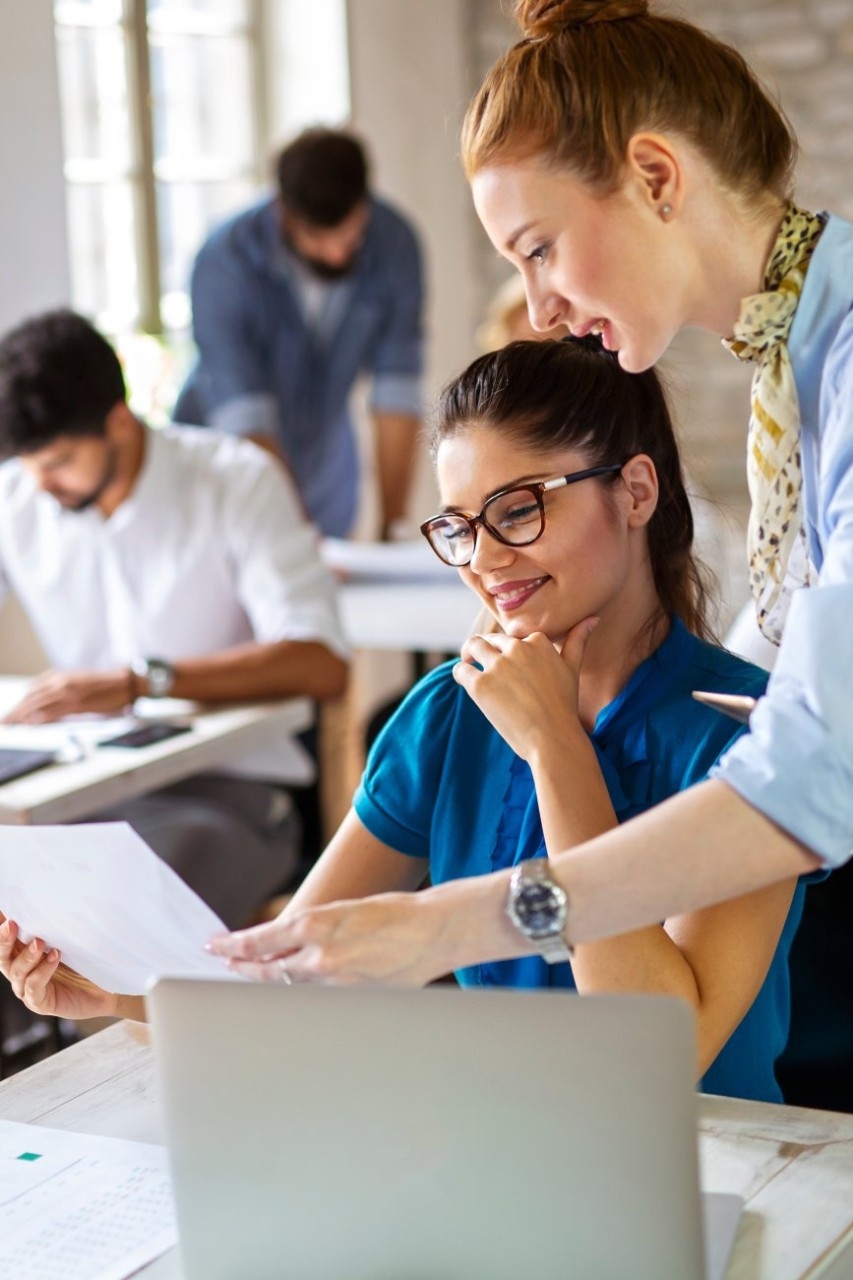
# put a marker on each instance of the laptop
(331, 1133)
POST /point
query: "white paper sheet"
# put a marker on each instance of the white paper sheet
(71, 740)
(117, 912)
(78, 1207)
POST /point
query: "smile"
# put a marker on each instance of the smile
(596, 328)
(511, 595)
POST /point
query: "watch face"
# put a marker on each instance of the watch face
(540, 910)
(161, 677)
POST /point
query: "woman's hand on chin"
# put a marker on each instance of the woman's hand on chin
(526, 688)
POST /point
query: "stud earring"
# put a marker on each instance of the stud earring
(665, 210)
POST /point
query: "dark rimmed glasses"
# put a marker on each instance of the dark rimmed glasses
(515, 517)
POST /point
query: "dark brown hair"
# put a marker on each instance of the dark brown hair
(322, 175)
(58, 377)
(589, 74)
(572, 394)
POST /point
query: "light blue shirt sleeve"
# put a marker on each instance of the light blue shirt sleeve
(796, 764)
(397, 393)
(397, 362)
(253, 414)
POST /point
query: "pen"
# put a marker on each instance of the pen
(738, 706)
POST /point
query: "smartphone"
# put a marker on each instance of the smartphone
(146, 735)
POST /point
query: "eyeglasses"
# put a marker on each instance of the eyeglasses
(515, 517)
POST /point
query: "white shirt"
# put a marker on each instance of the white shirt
(209, 550)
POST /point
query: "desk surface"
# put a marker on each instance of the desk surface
(398, 595)
(110, 775)
(433, 617)
(794, 1167)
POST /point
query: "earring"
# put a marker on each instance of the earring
(665, 210)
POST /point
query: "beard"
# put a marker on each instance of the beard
(77, 502)
(326, 272)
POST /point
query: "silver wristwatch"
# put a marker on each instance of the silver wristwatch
(159, 676)
(538, 907)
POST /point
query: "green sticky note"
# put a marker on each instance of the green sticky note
(29, 1155)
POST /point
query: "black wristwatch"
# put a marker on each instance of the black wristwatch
(538, 907)
(159, 676)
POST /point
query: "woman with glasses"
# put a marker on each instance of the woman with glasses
(564, 512)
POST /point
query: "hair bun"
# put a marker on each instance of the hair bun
(539, 19)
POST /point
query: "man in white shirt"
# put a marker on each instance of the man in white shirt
(152, 563)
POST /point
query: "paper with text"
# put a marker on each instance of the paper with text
(78, 1207)
(119, 915)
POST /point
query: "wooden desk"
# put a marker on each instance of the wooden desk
(111, 775)
(794, 1167)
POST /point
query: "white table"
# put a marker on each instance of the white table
(794, 1167)
(219, 737)
(421, 617)
(398, 595)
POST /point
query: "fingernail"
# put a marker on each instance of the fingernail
(52, 955)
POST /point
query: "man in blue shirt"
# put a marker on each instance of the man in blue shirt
(293, 300)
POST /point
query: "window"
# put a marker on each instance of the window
(170, 112)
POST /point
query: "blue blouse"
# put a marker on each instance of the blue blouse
(442, 784)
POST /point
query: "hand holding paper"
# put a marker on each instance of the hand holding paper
(49, 988)
(119, 915)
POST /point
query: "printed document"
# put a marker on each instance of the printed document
(78, 1207)
(119, 915)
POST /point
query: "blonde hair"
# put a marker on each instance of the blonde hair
(589, 74)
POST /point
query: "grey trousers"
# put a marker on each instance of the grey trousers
(235, 841)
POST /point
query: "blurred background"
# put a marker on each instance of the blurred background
(130, 127)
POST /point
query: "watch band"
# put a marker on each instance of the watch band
(555, 950)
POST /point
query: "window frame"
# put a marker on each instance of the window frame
(141, 172)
